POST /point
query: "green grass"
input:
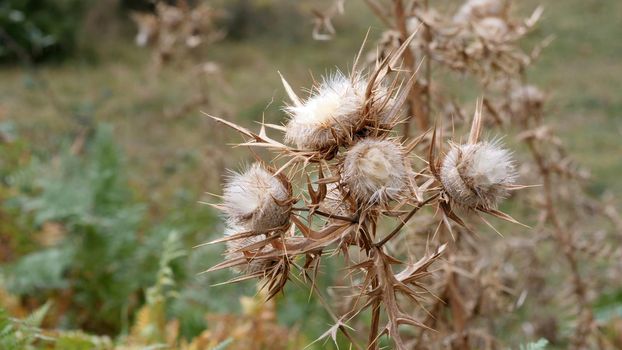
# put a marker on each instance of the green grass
(582, 72)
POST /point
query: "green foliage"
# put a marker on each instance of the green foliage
(609, 305)
(38, 29)
(97, 259)
(154, 312)
(40, 271)
(26, 334)
(224, 345)
(539, 345)
(274, 19)
(111, 257)
(22, 334)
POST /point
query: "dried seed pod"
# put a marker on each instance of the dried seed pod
(333, 114)
(375, 171)
(491, 28)
(478, 175)
(257, 199)
(474, 9)
(526, 100)
(235, 249)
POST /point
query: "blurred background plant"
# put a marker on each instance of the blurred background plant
(100, 162)
(39, 30)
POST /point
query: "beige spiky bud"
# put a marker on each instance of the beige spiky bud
(257, 199)
(474, 9)
(478, 175)
(491, 28)
(526, 100)
(375, 171)
(237, 249)
(333, 113)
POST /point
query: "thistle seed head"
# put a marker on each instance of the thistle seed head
(257, 200)
(375, 171)
(332, 115)
(474, 9)
(478, 175)
(235, 250)
(491, 28)
(526, 99)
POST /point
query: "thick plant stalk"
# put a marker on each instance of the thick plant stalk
(561, 236)
(417, 96)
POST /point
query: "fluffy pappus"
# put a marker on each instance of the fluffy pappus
(375, 171)
(474, 9)
(333, 113)
(526, 100)
(491, 28)
(257, 200)
(478, 175)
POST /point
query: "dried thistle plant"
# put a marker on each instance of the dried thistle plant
(484, 281)
(348, 186)
(175, 31)
(177, 34)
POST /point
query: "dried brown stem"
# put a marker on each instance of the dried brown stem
(415, 102)
(399, 227)
(569, 249)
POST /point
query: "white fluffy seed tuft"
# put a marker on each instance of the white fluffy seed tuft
(478, 175)
(333, 113)
(526, 100)
(256, 199)
(491, 28)
(476, 9)
(375, 171)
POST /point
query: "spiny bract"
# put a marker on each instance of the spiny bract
(235, 250)
(474, 9)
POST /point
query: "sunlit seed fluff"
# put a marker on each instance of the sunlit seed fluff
(235, 250)
(474, 9)
(526, 99)
(478, 175)
(330, 116)
(256, 199)
(375, 171)
(491, 28)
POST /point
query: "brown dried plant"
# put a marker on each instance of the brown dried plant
(351, 186)
(176, 31)
(484, 281)
(178, 34)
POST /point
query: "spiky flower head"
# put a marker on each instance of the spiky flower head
(474, 9)
(375, 171)
(526, 99)
(478, 175)
(333, 113)
(491, 28)
(257, 200)
(237, 249)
